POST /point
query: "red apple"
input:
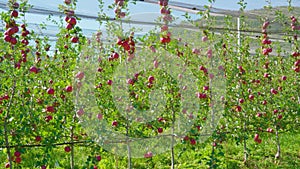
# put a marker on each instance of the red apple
(69, 26)
(130, 81)
(80, 112)
(114, 123)
(80, 75)
(17, 154)
(72, 21)
(67, 2)
(148, 155)
(14, 14)
(115, 55)
(49, 118)
(100, 116)
(259, 114)
(18, 160)
(38, 138)
(109, 82)
(67, 149)
(98, 158)
(50, 91)
(273, 91)
(7, 165)
(151, 79)
(69, 89)
(193, 141)
(33, 69)
(74, 39)
(256, 137)
(43, 167)
(251, 97)
(238, 108)
(160, 130)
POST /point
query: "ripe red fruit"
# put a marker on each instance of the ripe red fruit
(33, 69)
(69, 89)
(130, 81)
(266, 24)
(109, 82)
(38, 138)
(16, 5)
(7, 38)
(17, 154)
(49, 118)
(238, 108)
(256, 137)
(165, 40)
(279, 116)
(69, 26)
(150, 79)
(148, 155)
(80, 112)
(74, 39)
(258, 141)
(98, 157)
(283, 77)
(43, 167)
(269, 130)
(295, 54)
(67, 149)
(251, 97)
(241, 101)
(14, 13)
(160, 130)
(72, 21)
(115, 55)
(18, 160)
(273, 91)
(126, 46)
(7, 165)
(258, 114)
(193, 141)
(5, 97)
(50, 109)
(13, 41)
(114, 123)
(100, 116)
(266, 75)
(79, 75)
(67, 2)
(50, 91)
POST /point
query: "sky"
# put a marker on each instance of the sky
(142, 11)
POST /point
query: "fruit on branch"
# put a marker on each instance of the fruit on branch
(68, 2)
(98, 158)
(14, 14)
(114, 123)
(69, 89)
(67, 149)
(80, 75)
(74, 39)
(50, 91)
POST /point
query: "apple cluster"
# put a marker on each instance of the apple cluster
(118, 10)
(266, 42)
(165, 11)
(11, 26)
